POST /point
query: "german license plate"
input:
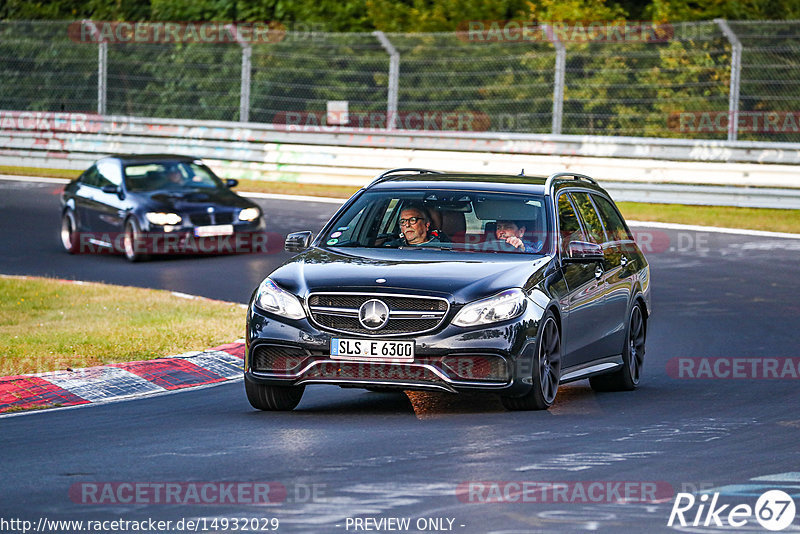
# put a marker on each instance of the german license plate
(213, 231)
(368, 349)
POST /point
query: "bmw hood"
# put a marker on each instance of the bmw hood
(465, 277)
(194, 199)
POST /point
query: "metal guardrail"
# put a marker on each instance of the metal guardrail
(649, 170)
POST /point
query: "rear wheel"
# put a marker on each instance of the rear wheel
(132, 242)
(546, 372)
(69, 232)
(273, 398)
(627, 377)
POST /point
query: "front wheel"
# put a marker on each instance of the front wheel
(69, 232)
(546, 372)
(627, 377)
(273, 398)
(132, 242)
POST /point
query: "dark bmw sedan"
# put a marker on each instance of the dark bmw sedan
(142, 205)
(504, 285)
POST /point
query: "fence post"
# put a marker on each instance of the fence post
(736, 69)
(244, 92)
(102, 66)
(394, 78)
(102, 77)
(558, 79)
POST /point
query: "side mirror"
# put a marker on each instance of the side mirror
(230, 182)
(297, 241)
(583, 252)
(113, 189)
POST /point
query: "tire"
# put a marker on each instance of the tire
(273, 398)
(129, 247)
(69, 232)
(546, 372)
(627, 377)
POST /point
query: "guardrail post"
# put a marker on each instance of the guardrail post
(394, 78)
(244, 92)
(102, 67)
(558, 79)
(736, 69)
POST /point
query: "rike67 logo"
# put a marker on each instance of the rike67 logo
(774, 510)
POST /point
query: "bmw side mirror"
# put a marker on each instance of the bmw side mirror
(113, 190)
(583, 252)
(230, 182)
(297, 241)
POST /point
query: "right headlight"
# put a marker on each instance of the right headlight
(271, 298)
(501, 307)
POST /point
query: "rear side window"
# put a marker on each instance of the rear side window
(568, 224)
(615, 226)
(590, 217)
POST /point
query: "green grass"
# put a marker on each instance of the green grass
(774, 220)
(47, 325)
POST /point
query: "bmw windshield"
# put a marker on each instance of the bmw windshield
(443, 219)
(170, 175)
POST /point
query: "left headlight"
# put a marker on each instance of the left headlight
(163, 219)
(249, 214)
(273, 299)
(500, 307)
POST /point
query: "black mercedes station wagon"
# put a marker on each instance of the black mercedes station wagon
(505, 285)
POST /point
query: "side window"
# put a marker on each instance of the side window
(615, 226)
(568, 224)
(109, 173)
(590, 217)
(91, 177)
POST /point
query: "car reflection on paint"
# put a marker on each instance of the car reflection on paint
(565, 296)
(141, 205)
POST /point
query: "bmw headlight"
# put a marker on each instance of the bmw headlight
(273, 299)
(500, 307)
(163, 219)
(249, 214)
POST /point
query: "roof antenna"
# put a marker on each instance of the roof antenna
(521, 173)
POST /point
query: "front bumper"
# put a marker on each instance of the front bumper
(495, 358)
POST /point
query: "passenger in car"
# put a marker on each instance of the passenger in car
(512, 233)
(415, 226)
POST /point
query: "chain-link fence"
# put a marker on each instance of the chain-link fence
(707, 80)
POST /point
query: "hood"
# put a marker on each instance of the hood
(193, 199)
(464, 276)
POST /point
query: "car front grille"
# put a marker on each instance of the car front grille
(207, 219)
(408, 315)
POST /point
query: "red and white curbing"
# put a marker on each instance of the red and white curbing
(118, 381)
(121, 380)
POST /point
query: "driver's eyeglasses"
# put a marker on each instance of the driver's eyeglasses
(410, 221)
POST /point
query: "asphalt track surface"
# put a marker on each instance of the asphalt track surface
(347, 453)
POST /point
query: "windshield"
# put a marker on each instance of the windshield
(444, 219)
(172, 175)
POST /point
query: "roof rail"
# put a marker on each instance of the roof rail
(548, 185)
(407, 170)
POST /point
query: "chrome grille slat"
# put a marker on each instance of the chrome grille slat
(408, 314)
